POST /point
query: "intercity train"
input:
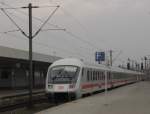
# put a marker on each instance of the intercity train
(76, 78)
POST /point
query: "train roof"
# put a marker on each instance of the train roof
(68, 61)
(80, 63)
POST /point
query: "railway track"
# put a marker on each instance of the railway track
(12, 102)
(9, 103)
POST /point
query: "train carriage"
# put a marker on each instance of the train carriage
(76, 78)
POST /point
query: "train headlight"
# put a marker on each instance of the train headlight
(50, 86)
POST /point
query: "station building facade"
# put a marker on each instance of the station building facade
(14, 68)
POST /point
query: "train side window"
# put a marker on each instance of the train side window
(82, 71)
(88, 76)
(91, 75)
(108, 75)
(102, 76)
(95, 75)
(99, 75)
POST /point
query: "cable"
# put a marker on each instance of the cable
(120, 52)
(47, 6)
(12, 8)
(50, 16)
(13, 22)
(10, 31)
(45, 45)
(76, 20)
(77, 37)
(41, 25)
(52, 29)
(68, 32)
(36, 18)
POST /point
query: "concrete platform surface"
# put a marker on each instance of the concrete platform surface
(130, 99)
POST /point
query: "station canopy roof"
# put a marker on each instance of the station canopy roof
(21, 54)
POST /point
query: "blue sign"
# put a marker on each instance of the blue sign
(100, 56)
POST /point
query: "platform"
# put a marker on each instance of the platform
(130, 99)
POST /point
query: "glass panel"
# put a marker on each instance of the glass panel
(63, 74)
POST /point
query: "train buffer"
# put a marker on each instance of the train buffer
(130, 99)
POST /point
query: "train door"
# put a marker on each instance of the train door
(108, 79)
(81, 82)
(82, 76)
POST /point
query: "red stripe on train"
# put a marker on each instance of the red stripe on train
(87, 86)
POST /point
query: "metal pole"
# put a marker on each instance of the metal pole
(30, 56)
(145, 63)
(106, 82)
(106, 103)
(110, 57)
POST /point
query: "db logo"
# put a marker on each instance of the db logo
(60, 87)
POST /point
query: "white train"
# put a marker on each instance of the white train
(76, 78)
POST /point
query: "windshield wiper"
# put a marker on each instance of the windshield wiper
(67, 77)
(55, 77)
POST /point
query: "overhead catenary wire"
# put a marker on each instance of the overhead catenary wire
(14, 14)
(74, 18)
(46, 6)
(6, 8)
(71, 34)
(120, 52)
(9, 31)
(36, 41)
(43, 44)
(36, 18)
(12, 8)
(78, 22)
(14, 22)
(49, 17)
(79, 38)
(2, 9)
(53, 29)
(67, 31)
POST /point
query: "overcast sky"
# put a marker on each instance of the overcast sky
(120, 25)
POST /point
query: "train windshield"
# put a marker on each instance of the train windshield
(63, 74)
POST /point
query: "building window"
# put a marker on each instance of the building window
(4, 75)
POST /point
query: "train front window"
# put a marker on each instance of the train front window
(63, 74)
